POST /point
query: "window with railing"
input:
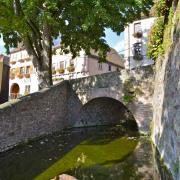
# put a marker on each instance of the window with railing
(100, 66)
(28, 70)
(138, 51)
(62, 65)
(137, 30)
(21, 70)
(71, 62)
(109, 67)
(137, 27)
(27, 89)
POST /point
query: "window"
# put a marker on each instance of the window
(62, 65)
(99, 66)
(53, 67)
(137, 27)
(21, 70)
(13, 70)
(109, 67)
(27, 89)
(138, 51)
(28, 70)
(138, 48)
(71, 62)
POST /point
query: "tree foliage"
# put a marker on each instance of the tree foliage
(80, 23)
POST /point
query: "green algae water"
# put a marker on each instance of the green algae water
(100, 153)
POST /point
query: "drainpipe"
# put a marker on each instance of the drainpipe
(129, 48)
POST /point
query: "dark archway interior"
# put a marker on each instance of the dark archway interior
(15, 89)
(106, 111)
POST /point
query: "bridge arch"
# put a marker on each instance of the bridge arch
(105, 111)
(113, 85)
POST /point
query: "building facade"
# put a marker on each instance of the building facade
(24, 79)
(135, 38)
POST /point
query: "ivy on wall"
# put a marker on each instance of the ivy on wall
(155, 39)
(159, 39)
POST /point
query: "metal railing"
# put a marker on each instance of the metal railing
(15, 95)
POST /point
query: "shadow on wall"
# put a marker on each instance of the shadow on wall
(105, 111)
(166, 119)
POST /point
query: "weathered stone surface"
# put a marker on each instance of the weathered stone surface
(65, 105)
(112, 85)
(34, 115)
(166, 105)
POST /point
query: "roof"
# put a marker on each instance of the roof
(112, 57)
(17, 50)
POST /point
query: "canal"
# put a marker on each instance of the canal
(112, 153)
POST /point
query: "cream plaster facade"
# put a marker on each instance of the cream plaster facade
(24, 79)
(142, 27)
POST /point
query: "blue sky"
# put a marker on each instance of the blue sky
(116, 42)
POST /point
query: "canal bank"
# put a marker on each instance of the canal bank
(86, 153)
(166, 101)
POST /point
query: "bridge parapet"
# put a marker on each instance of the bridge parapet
(104, 85)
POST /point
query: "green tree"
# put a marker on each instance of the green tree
(80, 23)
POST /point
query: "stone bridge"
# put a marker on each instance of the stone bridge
(98, 99)
(95, 100)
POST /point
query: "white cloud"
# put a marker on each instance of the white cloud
(119, 46)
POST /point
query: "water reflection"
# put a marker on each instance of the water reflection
(90, 153)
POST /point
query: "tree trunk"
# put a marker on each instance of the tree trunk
(44, 76)
(45, 69)
(41, 55)
(39, 47)
(42, 65)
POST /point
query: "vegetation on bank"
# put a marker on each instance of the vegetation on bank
(89, 154)
(160, 37)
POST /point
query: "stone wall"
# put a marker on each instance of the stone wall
(166, 104)
(34, 115)
(71, 102)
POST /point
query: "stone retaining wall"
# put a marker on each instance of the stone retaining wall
(166, 104)
(33, 116)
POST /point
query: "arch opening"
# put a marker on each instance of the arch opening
(106, 111)
(15, 89)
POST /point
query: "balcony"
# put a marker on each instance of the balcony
(15, 96)
(137, 52)
(71, 68)
(61, 71)
(12, 62)
(27, 76)
(20, 76)
(138, 34)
